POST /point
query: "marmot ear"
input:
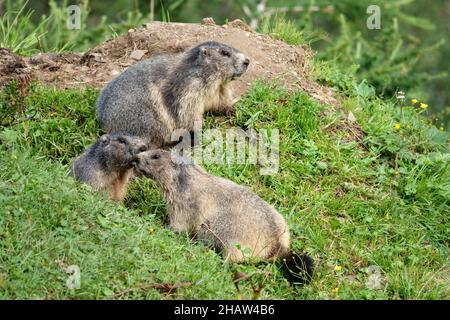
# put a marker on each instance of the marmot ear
(104, 139)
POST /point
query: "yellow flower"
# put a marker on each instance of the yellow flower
(423, 105)
(335, 290)
(441, 128)
(397, 126)
(337, 268)
(414, 100)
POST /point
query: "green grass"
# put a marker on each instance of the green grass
(286, 30)
(16, 33)
(382, 200)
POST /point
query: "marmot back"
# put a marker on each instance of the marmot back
(108, 163)
(158, 95)
(221, 213)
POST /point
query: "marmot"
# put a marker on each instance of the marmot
(172, 91)
(108, 163)
(220, 213)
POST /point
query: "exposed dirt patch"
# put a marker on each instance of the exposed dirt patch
(12, 66)
(270, 58)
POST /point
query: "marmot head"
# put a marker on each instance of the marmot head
(120, 149)
(218, 58)
(159, 164)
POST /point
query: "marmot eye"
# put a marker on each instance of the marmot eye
(142, 149)
(156, 156)
(121, 140)
(225, 53)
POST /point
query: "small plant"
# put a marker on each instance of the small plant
(12, 101)
(281, 28)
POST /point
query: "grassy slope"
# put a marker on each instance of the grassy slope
(382, 201)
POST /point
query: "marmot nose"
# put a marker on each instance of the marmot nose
(246, 62)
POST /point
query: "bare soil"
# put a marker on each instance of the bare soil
(270, 58)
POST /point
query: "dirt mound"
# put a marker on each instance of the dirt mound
(12, 67)
(270, 58)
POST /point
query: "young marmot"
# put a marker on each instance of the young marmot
(108, 163)
(158, 95)
(217, 211)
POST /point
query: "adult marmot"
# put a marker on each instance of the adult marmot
(158, 95)
(217, 211)
(108, 163)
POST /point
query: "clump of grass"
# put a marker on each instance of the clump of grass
(279, 27)
(25, 34)
(16, 34)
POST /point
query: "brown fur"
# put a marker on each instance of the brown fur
(217, 211)
(120, 185)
